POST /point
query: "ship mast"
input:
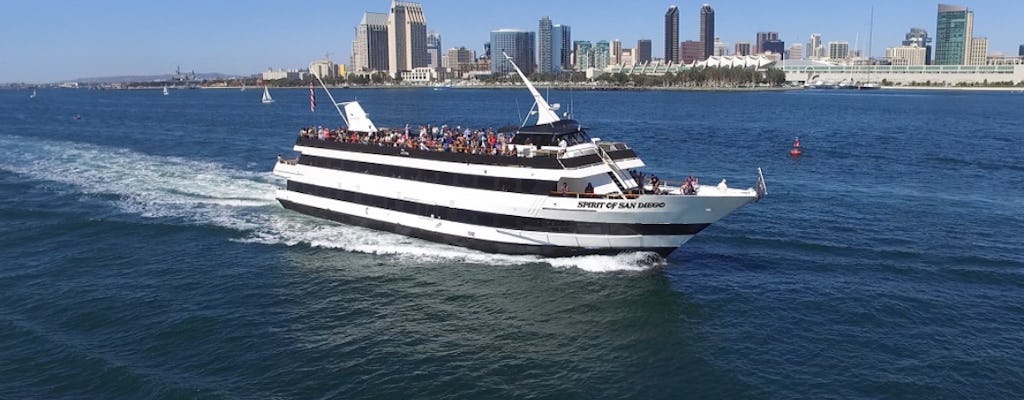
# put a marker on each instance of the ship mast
(545, 112)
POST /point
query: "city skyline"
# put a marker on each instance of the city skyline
(130, 38)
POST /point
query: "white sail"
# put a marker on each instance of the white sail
(358, 120)
(266, 96)
(165, 90)
(33, 94)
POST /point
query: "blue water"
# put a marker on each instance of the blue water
(144, 256)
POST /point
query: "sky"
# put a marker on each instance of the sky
(55, 40)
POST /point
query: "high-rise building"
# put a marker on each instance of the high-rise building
(460, 60)
(642, 53)
(627, 57)
(919, 36)
(707, 30)
(407, 37)
(815, 49)
(838, 50)
(742, 49)
(602, 54)
(324, 68)
(545, 47)
(518, 44)
(763, 37)
(672, 35)
(434, 50)
(1020, 51)
(370, 49)
(583, 55)
(774, 46)
(906, 55)
(953, 31)
(979, 51)
(691, 50)
(721, 48)
(561, 47)
(795, 52)
(616, 53)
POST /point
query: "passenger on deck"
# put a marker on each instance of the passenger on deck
(655, 183)
(589, 188)
(565, 187)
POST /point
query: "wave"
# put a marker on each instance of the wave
(195, 192)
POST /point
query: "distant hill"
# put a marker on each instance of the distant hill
(199, 76)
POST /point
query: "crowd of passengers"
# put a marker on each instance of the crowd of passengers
(427, 138)
(689, 186)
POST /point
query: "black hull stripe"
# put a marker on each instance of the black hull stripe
(532, 162)
(476, 244)
(502, 221)
(469, 181)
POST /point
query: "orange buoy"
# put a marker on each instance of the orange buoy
(795, 151)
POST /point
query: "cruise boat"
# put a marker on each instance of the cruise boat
(550, 190)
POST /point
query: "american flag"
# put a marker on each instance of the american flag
(312, 99)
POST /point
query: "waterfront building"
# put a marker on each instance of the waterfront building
(583, 55)
(919, 36)
(642, 53)
(545, 46)
(906, 55)
(979, 51)
(325, 69)
(602, 54)
(953, 32)
(721, 48)
(742, 49)
(906, 75)
(420, 75)
(460, 61)
(707, 30)
(774, 46)
(615, 52)
(795, 52)
(273, 75)
(763, 37)
(407, 37)
(561, 47)
(518, 44)
(838, 50)
(815, 48)
(370, 48)
(1020, 51)
(434, 50)
(627, 57)
(672, 35)
(690, 51)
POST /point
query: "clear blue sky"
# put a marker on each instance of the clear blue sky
(53, 40)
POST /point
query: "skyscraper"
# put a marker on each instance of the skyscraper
(602, 54)
(742, 49)
(434, 50)
(370, 49)
(953, 31)
(707, 30)
(764, 37)
(545, 47)
(979, 51)
(774, 46)
(672, 35)
(838, 50)
(518, 44)
(919, 36)
(616, 52)
(815, 49)
(643, 51)
(583, 55)
(561, 37)
(1020, 51)
(407, 37)
(795, 52)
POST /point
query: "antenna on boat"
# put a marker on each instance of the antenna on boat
(335, 102)
(545, 112)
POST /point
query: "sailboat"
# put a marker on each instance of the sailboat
(33, 95)
(243, 86)
(165, 91)
(266, 96)
(869, 85)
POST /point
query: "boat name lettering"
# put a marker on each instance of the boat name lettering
(611, 205)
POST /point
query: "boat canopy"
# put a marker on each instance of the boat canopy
(553, 133)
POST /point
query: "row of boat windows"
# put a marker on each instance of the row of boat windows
(492, 219)
(515, 185)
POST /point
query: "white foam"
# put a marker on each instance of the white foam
(205, 193)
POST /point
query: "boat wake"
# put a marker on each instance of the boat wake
(184, 191)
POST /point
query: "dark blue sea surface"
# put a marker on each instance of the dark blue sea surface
(144, 256)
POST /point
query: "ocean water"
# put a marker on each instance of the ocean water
(143, 256)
